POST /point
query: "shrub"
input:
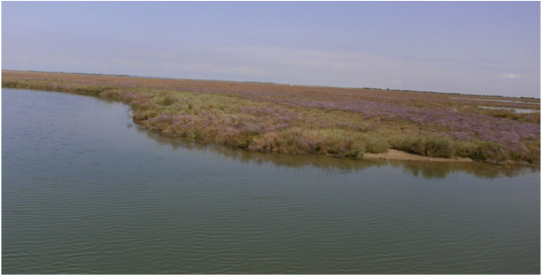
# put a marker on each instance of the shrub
(354, 154)
(488, 150)
(376, 145)
(431, 146)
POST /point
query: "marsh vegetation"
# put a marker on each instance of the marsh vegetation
(343, 122)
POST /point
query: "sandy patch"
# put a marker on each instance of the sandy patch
(400, 155)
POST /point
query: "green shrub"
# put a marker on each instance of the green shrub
(488, 150)
(356, 154)
(440, 147)
(376, 145)
(431, 146)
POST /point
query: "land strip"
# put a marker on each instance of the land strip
(342, 122)
(392, 154)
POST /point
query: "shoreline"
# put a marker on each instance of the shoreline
(393, 154)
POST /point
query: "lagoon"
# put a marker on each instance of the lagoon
(84, 190)
(516, 110)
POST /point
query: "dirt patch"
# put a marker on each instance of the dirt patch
(400, 155)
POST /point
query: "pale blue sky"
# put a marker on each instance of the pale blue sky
(462, 47)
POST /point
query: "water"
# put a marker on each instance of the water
(85, 191)
(516, 110)
(497, 100)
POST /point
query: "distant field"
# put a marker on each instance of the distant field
(343, 122)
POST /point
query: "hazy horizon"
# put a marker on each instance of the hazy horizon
(263, 82)
(484, 48)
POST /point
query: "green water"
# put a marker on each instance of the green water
(85, 191)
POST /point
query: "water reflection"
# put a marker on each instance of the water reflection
(427, 170)
(440, 170)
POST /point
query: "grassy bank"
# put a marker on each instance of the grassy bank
(313, 120)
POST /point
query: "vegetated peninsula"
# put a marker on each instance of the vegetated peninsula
(343, 122)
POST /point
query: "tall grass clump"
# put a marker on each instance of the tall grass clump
(434, 146)
(298, 141)
(430, 146)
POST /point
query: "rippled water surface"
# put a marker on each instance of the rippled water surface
(85, 191)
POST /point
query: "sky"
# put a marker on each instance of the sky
(487, 48)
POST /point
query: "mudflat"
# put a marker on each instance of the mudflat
(392, 154)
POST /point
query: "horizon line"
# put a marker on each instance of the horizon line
(272, 83)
